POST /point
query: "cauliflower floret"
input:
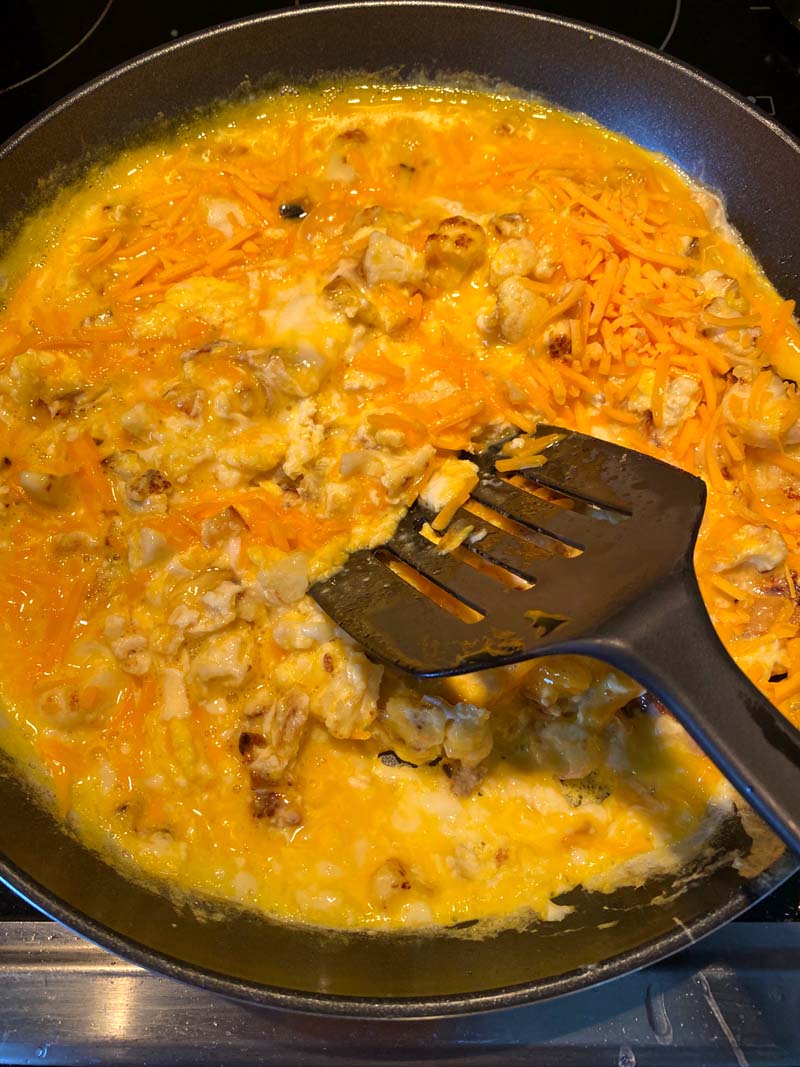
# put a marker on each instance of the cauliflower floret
(400, 472)
(304, 435)
(341, 682)
(516, 310)
(220, 212)
(49, 489)
(511, 224)
(416, 728)
(725, 301)
(302, 626)
(222, 527)
(755, 546)
(275, 729)
(348, 702)
(223, 304)
(557, 338)
(521, 257)
(760, 663)
(765, 412)
(390, 881)
(388, 260)
(146, 547)
(452, 479)
(468, 737)
(681, 397)
(719, 286)
(173, 694)
(456, 247)
(224, 658)
(285, 579)
(140, 421)
(680, 400)
(570, 685)
(570, 747)
(218, 608)
(42, 376)
(133, 654)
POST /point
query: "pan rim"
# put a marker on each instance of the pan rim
(433, 1006)
(391, 1008)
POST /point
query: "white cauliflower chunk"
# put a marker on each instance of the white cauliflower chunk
(302, 626)
(388, 260)
(48, 489)
(132, 653)
(516, 310)
(767, 659)
(468, 737)
(680, 401)
(681, 397)
(724, 300)
(304, 435)
(399, 472)
(173, 692)
(218, 608)
(147, 547)
(754, 546)
(452, 479)
(44, 376)
(275, 731)
(222, 214)
(224, 658)
(415, 727)
(764, 415)
(349, 702)
(516, 257)
(340, 170)
(521, 257)
(285, 580)
(341, 682)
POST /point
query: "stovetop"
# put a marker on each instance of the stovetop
(50, 47)
(47, 49)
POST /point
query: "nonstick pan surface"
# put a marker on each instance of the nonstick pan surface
(716, 137)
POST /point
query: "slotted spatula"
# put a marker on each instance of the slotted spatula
(628, 596)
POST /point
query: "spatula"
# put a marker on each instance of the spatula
(604, 569)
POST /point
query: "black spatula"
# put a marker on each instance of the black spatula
(607, 570)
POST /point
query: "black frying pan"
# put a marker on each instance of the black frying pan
(716, 137)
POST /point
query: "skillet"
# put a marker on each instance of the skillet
(714, 136)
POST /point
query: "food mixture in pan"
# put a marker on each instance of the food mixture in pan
(232, 356)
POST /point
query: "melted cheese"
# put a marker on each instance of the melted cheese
(207, 399)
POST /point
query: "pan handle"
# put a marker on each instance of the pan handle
(668, 643)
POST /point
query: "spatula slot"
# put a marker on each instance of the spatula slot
(543, 544)
(469, 556)
(562, 498)
(435, 593)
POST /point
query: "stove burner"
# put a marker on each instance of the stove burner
(39, 34)
(651, 23)
(791, 9)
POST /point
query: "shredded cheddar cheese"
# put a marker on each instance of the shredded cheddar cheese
(231, 357)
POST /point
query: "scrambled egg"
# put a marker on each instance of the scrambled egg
(244, 353)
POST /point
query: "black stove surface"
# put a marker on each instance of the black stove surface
(48, 48)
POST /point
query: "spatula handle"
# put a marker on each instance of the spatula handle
(669, 644)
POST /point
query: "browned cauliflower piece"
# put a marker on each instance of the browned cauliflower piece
(275, 729)
(453, 250)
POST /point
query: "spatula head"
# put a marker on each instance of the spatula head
(554, 553)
